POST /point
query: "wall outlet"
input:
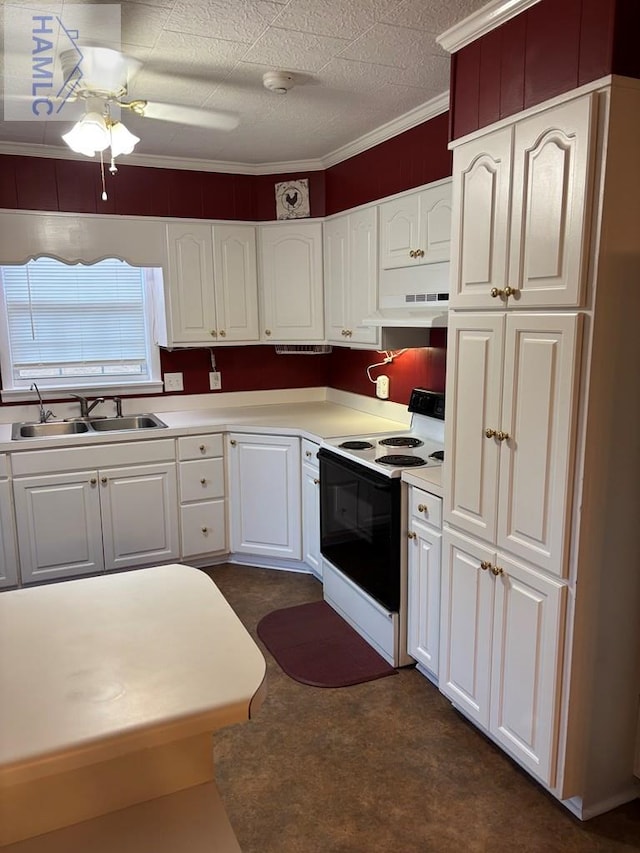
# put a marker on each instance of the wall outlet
(173, 382)
(215, 380)
(382, 387)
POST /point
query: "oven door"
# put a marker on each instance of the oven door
(360, 526)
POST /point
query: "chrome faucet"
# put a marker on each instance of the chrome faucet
(85, 407)
(44, 414)
(118, 404)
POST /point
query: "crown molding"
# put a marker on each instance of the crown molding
(424, 112)
(492, 15)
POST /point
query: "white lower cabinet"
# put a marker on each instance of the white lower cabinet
(79, 521)
(8, 556)
(501, 649)
(424, 558)
(202, 495)
(311, 507)
(264, 489)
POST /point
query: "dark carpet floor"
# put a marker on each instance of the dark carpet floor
(382, 766)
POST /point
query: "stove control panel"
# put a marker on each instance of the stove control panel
(428, 403)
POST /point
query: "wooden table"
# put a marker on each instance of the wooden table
(110, 689)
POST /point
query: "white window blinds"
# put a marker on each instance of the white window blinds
(76, 324)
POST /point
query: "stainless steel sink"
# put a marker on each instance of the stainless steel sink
(26, 430)
(84, 427)
(127, 422)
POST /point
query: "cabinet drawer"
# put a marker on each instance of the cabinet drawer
(201, 479)
(425, 506)
(200, 446)
(203, 528)
(93, 456)
(4, 465)
(310, 452)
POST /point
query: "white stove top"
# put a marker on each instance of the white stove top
(426, 435)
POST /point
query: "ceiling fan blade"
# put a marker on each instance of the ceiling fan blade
(191, 115)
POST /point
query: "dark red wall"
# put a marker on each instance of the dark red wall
(415, 157)
(551, 48)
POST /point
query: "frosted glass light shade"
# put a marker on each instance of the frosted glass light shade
(88, 135)
(122, 140)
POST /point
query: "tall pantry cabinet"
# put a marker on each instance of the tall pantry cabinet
(540, 609)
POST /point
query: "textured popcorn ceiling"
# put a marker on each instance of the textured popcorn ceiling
(358, 64)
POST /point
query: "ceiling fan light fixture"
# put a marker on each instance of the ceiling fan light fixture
(278, 81)
(122, 140)
(89, 135)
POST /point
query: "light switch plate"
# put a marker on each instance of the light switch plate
(173, 382)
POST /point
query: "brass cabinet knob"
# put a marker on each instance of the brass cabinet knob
(502, 436)
(233, 442)
(308, 453)
(490, 433)
(412, 534)
(213, 333)
(205, 530)
(422, 507)
(348, 333)
(223, 334)
(202, 448)
(485, 564)
(104, 481)
(497, 570)
(412, 254)
(267, 332)
(496, 292)
(316, 481)
(93, 481)
(203, 481)
(510, 291)
(419, 253)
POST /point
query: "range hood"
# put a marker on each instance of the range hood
(411, 301)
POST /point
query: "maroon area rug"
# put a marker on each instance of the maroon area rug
(314, 645)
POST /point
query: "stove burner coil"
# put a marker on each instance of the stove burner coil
(401, 460)
(437, 454)
(401, 441)
(356, 445)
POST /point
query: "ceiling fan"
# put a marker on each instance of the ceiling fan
(99, 79)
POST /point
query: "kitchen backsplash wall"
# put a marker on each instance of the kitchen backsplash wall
(260, 368)
(550, 48)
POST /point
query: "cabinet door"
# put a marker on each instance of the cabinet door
(362, 290)
(191, 299)
(466, 619)
(474, 377)
(58, 526)
(481, 191)
(527, 652)
(291, 282)
(553, 154)
(8, 554)
(423, 620)
(435, 224)
(399, 231)
(311, 519)
(540, 374)
(236, 282)
(265, 505)
(203, 528)
(336, 278)
(139, 515)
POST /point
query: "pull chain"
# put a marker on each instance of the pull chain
(104, 191)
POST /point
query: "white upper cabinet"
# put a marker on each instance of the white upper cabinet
(291, 286)
(416, 228)
(212, 287)
(510, 426)
(351, 277)
(521, 211)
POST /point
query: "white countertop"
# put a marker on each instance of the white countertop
(313, 420)
(429, 479)
(99, 667)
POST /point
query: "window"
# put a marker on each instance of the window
(78, 326)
